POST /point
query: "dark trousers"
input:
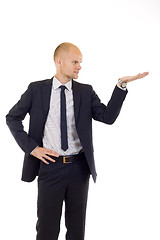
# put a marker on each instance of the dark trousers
(58, 183)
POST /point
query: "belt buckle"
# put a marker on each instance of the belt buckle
(64, 160)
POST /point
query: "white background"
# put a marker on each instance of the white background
(117, 38)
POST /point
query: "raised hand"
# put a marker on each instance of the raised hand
(132, 78)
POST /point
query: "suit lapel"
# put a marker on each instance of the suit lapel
(46, 94)
(76, 98)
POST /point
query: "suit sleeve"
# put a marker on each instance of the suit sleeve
(14, 121)
(108, 114)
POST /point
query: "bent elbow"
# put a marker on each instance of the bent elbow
(111, 121)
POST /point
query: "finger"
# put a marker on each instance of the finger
(142, 75)
(145, 74)
(48, 158)
(43, 160)
(138, 75)
(52, 153)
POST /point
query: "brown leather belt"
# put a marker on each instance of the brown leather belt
(67, 159)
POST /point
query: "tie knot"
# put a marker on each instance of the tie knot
(63, 87)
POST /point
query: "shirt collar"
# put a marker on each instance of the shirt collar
(57, 84)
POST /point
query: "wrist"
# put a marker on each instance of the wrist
(33, 150)
(122, 84)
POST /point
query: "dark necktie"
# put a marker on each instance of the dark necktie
(63, 123)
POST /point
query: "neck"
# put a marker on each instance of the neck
(62, 79)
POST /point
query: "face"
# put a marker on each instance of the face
(71, 63)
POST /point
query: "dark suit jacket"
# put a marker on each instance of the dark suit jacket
(36, 101)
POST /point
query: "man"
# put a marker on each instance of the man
(58, 147)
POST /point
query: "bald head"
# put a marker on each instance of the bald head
(68, 59)
(64, 48)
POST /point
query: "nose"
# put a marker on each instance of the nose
(79, 67)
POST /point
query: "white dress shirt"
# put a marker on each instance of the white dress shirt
(52, 134)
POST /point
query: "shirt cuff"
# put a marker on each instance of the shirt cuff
(124, 89)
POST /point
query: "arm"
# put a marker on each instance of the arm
(108, 114)
(14, 121)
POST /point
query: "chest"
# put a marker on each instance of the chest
(55, 104)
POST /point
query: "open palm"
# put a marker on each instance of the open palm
(132, 78)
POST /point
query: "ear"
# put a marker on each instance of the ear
(59, 61)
